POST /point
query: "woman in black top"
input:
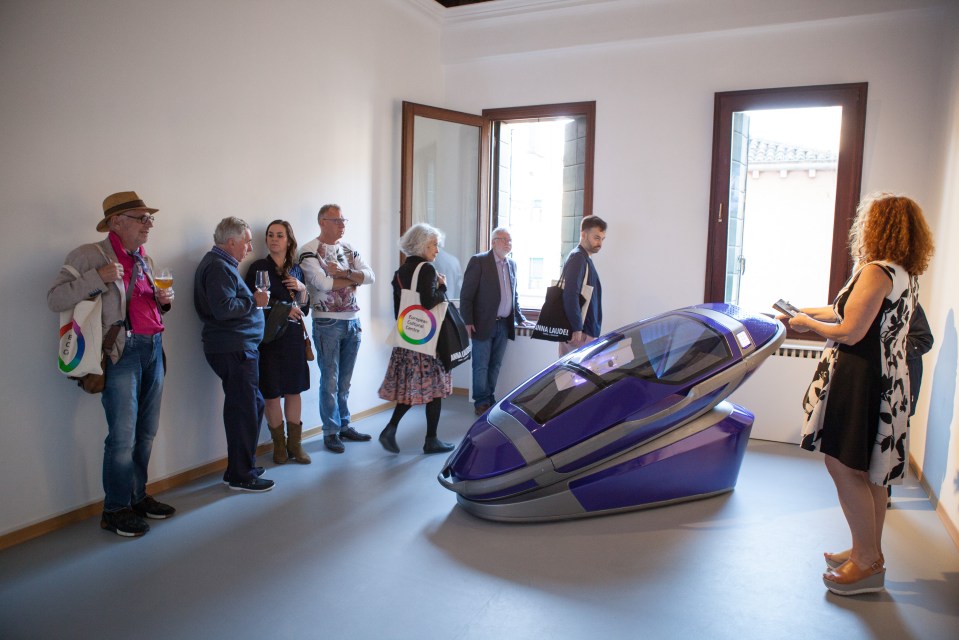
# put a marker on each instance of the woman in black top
(284, 372)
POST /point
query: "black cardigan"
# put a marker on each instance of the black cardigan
(430, 294)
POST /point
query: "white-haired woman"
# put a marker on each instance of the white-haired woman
(414, 378)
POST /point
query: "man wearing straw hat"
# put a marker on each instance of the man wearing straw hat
(119, 270)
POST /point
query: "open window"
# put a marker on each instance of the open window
(782, 198)
(528, 168)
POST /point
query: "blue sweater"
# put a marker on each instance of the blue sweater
(231, 320)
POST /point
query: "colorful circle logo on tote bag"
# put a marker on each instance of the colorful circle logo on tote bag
(416, 324)
(71, 343)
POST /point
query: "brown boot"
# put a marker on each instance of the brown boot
(280, 455)
(293, 446)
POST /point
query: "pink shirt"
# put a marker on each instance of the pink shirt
(144, 313)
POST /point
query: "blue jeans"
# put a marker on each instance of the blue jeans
(337, 343)
(487, 358)
(242, 410)
(131, 402)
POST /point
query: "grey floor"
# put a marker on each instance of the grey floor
(368, 545)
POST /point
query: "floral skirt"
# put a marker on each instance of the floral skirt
(415, 378)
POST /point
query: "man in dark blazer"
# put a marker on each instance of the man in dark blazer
(489, 304)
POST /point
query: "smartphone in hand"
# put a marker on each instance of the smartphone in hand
(785, 308)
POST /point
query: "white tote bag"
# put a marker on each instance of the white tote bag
(81, 337)
(587, 293)
(417, 328)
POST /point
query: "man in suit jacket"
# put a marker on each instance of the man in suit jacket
(490, 307)
(584, 326)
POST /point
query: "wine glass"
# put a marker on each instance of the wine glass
(263, 282)
(293, 296)
(164, 279)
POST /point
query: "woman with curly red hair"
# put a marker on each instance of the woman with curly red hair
(857, 406)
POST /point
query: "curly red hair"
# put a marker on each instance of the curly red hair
(893, 228)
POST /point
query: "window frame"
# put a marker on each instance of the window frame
(852, 98)
(488, 122)
(535, 113)
(410, 111)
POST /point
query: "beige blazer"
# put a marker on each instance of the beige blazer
(67, 290)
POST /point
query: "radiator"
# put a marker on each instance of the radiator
(775, 392)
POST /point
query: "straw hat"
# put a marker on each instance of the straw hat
(122, 202)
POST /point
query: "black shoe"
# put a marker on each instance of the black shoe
(388, 439)
(124, 523)
(480, 409)
(257, 471)
(333, 443)
(259, 485)
(350, 433)
(435, 445)
(150, 508)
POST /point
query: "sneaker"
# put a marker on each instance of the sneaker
(349, 433)
(150, 508)
(124, 523)
(253, 486)
(333, 443)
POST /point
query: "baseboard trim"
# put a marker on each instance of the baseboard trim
(158, 486)
(950, 526)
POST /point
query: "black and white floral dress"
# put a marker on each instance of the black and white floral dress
(857, 405)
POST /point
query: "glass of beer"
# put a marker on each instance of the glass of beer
(164, 278)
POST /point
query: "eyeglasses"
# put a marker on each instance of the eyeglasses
(506, 240)
(336, 220)
(141, 219)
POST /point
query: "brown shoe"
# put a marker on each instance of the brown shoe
(280, 455)
(850, 579)
(480, 409)
(294, 448)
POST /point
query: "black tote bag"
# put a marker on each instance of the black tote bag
(453, 348)
(553, 325)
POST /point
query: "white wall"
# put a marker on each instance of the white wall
(654, 116)
(936, 445)
(257, 108)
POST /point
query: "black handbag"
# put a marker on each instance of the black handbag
(454, 347)
(276, 320)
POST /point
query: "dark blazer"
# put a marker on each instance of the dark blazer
(479, 296)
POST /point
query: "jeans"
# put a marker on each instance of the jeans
(131, 402)
(487, 358)
(242, 410)
(337, 343)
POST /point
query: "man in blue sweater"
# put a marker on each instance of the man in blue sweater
(585, 322)
(232, 330)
